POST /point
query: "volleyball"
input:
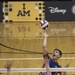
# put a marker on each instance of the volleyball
(44, 24)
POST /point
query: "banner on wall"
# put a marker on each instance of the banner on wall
(60, 11)
(20, 30)
(23, 11)
(37, 10)
(32, 30)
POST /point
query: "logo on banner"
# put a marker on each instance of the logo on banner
(73, 9)
(23, 12)
(56, 31)
(56, 10)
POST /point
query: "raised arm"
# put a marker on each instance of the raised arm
(45, 43)
(8, 66)
(47, 66)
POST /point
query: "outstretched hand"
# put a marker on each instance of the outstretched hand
(8, 65)
(67, 65)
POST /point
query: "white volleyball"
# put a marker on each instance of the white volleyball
(44, 24)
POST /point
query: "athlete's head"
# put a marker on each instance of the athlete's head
(42, 73)
(56, 54)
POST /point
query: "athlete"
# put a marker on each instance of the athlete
(53, 62)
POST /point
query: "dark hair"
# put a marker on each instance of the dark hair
(41, 73)
(59, 51)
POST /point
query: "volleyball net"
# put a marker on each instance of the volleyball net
(70, 69)
(36, 71)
